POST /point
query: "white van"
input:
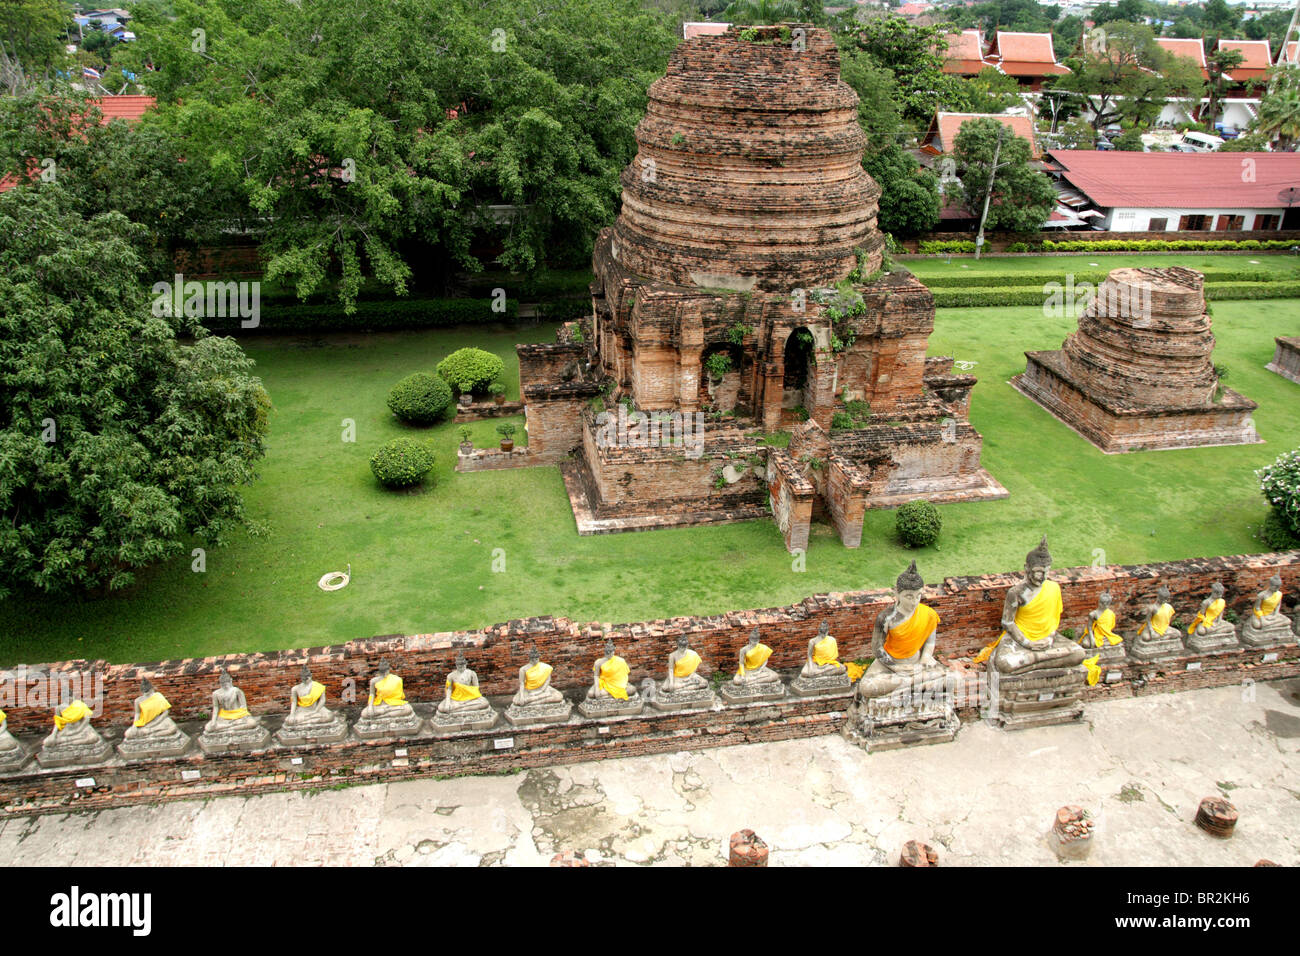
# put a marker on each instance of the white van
(1194, 142)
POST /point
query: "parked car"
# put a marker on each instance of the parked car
(1194, 142)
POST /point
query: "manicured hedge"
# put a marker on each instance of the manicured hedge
(994, 296)
(370, 315)
(998, 280)
(1162, 245)
(944, 247)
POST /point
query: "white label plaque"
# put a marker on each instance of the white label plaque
(1194, 666)
(602, 730)
(190, 775)
(1112, 676)
(86, 782)
(1047, 696)
(296, 761)
(503, 743)
(400, 752)
(1269, 658)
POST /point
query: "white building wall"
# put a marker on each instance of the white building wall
(1139, 219)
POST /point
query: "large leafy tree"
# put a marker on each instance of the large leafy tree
(1022, 197)
(32, 38)
(909, 199)
(361, 132)
(117, 440)
(914, 55)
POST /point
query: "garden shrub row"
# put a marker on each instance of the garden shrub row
(940, 247)
(996, 296)
(991, 280)
(370, 315)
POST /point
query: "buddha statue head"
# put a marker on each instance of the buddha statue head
(1162, 595)
(304, 675)
(609, 647)
(908, 589)
(1038, 562)
(753, 637)
(225, 680)
(382, 670)
(461, 663)
(682, 642)
(1104, 600)
(1275, 583)
(1216, 590)
(146, 687)
(824, 629)
(534, 656)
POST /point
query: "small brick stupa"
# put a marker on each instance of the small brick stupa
(1138, 372)
(743, 289)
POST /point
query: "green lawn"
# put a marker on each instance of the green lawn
(1091, 262)
(422, 562)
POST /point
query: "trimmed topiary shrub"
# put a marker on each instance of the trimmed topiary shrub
(402, 463)
(471, 370)
(420, 399)
(918, 524)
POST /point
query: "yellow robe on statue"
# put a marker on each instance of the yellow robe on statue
(906, 640)
(613, 677)
(1208, 616)
(75, 711)
(463, 692)
(151, 708)
(1269, 605)
(754, 658)
(388, 691)
(237, 714)
(2, 720)
(537, 675)
(1037, 619)
(1094, 669)
(1160, 620)
(826, 651)
(313, 695)
(686, 664)
(1103, 630)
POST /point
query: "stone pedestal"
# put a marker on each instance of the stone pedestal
(1286, 358)
(1221, 637)
(1277, 630)
(1151, 648)
(803, 686)
(684, 698)
(1036, 698)
(13, 755)
(377, 725)
(147, 743)
(235, 740)
(317, 732)
(530, 715)
(910, 716)
(1071, 834)
(86, 749)
(734, 692)
(1109, 654)
(457, 721)
(597, 707)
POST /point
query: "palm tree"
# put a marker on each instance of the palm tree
(762, 11)
(1279, 115)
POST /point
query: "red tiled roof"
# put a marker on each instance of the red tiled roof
(965, 53)
(1192, 49)
(1025, 54)
(1256, 58)
(945, 127)
(129, 108)
(1178, 180)
(703, 29)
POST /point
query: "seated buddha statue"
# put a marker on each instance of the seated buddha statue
(232, 727)
(1157, 637)
(74, 741)
(610, 692)
(683, 665)
(1266, 623)
(13, 755)
(309, 720)
(611, 677)
(823, 656)
(1031, 615)
(463, 703)
(387, 712)
(753, 667)
(535, 683)
(1209, 631)
(152, 733)
(1099, 631)
(536, 701)
(902, 642)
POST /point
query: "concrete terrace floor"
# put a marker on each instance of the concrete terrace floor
(1140, 766)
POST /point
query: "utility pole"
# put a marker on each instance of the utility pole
(988, 193)
(1291, 29)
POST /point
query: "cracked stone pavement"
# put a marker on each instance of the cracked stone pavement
(1139, 766)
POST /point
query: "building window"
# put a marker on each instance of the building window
(1267, 223)
(1230, 223)
(1195, 223)
(1158, 225)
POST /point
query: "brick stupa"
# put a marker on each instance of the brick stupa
(1138, 372)
(715, 295)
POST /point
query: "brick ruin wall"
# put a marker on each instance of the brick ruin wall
(969, 607)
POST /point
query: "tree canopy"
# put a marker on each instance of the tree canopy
(1022, 197)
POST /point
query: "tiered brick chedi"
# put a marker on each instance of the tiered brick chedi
(742, 287)
(1138, 373)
